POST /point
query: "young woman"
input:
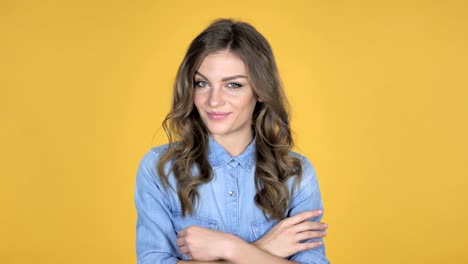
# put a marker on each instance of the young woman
(227, 188)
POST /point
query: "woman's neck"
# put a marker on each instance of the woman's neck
(234, 145)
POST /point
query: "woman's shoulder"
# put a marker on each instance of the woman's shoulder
(151, 158)
(309, 174)
(159, 150)
(148, 166)
(305, 162)
(154, 153)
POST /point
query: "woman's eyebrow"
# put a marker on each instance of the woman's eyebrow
(225, 78)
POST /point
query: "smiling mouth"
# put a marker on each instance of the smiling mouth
(217, 115)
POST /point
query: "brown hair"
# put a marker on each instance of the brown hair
(274, 165)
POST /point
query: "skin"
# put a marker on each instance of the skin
(225, 100)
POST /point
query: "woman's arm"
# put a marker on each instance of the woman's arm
(207, 246)
(287, 237)
(282, 241)
(154, 230)
(308, 197)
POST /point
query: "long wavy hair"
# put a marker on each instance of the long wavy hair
(188, 136)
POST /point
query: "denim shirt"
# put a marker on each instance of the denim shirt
(226, 204)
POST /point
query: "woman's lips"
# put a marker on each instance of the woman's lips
(217, 115)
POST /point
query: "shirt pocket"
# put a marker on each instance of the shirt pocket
(260, 228)
(181, 222)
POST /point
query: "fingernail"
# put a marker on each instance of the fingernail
(324, 233)
(325, 226)
(319, 211)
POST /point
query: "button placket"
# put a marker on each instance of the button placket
(232, 196)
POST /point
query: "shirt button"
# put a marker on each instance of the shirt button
(231, 193)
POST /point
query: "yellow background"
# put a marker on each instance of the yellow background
(379, 102)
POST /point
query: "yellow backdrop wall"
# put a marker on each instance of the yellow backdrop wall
(378, 91)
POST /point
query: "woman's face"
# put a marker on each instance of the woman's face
(224, 97)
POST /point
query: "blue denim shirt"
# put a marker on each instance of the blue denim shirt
(226, 204)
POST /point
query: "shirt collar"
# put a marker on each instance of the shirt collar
(218, 156)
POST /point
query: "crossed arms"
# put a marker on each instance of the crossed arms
(208, 246)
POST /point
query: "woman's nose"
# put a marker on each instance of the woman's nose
(216, 97)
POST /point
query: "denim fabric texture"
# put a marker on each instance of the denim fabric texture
(226, 204)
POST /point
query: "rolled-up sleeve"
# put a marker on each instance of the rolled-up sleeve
(306, 198)
(155, 234)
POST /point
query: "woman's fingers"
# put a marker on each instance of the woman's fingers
(304, 226)
(308, 245)
(182, 232)
(184, 250)
(309, 234)
(301, 217)
(202, 243)
(180, 242)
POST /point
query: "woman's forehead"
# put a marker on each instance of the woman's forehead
(221, 65)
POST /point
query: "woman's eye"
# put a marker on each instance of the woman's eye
(200, 84)
(234, 85)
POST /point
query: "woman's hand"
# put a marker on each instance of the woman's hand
(284, 239)
(205, 244)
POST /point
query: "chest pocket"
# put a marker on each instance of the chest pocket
(184, 222)
(259, 229)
